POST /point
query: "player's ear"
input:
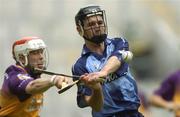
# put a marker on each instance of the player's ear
(80, 30)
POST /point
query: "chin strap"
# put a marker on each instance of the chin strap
(97, 39)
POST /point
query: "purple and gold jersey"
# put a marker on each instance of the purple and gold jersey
(170, 89)
(14, 101)
(144, 107)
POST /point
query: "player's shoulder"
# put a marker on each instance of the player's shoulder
(14, 69)
(174, 76)
(13, 72)
(117, 39)
(80, 61)
(177, 72)
(79, 66)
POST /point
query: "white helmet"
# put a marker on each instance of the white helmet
(27, 44)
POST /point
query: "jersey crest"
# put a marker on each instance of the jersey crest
(23, 77)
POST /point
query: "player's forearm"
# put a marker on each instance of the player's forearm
(38, 85)
(112, 65)
(158, 101)
(96, 100)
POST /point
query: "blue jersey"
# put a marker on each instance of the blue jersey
(119, 89)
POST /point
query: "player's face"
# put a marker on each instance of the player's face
(36, 58)
(94, 26)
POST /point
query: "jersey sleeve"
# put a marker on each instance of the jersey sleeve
(79, 69)
(17, 84)
(167, 88)
(119, 44)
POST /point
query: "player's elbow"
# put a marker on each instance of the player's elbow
(81, 102)
(81, 106)
(95, 108)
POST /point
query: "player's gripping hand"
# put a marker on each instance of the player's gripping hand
(92, 80)
(59, 81)
(171, 106)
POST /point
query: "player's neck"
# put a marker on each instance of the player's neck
(97, 48)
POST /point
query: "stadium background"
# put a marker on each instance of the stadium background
(151, 26)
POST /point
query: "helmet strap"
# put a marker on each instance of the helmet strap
(20, 62)
(97, 39)
(26, 61)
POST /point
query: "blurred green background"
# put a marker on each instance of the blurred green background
(151, 26)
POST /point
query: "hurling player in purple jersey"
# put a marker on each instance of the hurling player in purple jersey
(167, 96)
(144, 107)
(21, 94)
(106, 58)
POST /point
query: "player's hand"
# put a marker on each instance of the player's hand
(92, 80)
(61, 81)
(96, 75)
(171, 106)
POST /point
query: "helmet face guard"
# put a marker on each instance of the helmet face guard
(26, 45)
(92, 11)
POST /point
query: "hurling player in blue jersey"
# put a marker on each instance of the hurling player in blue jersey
(106, 58)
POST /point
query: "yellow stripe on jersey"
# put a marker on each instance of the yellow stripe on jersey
(176, 99)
